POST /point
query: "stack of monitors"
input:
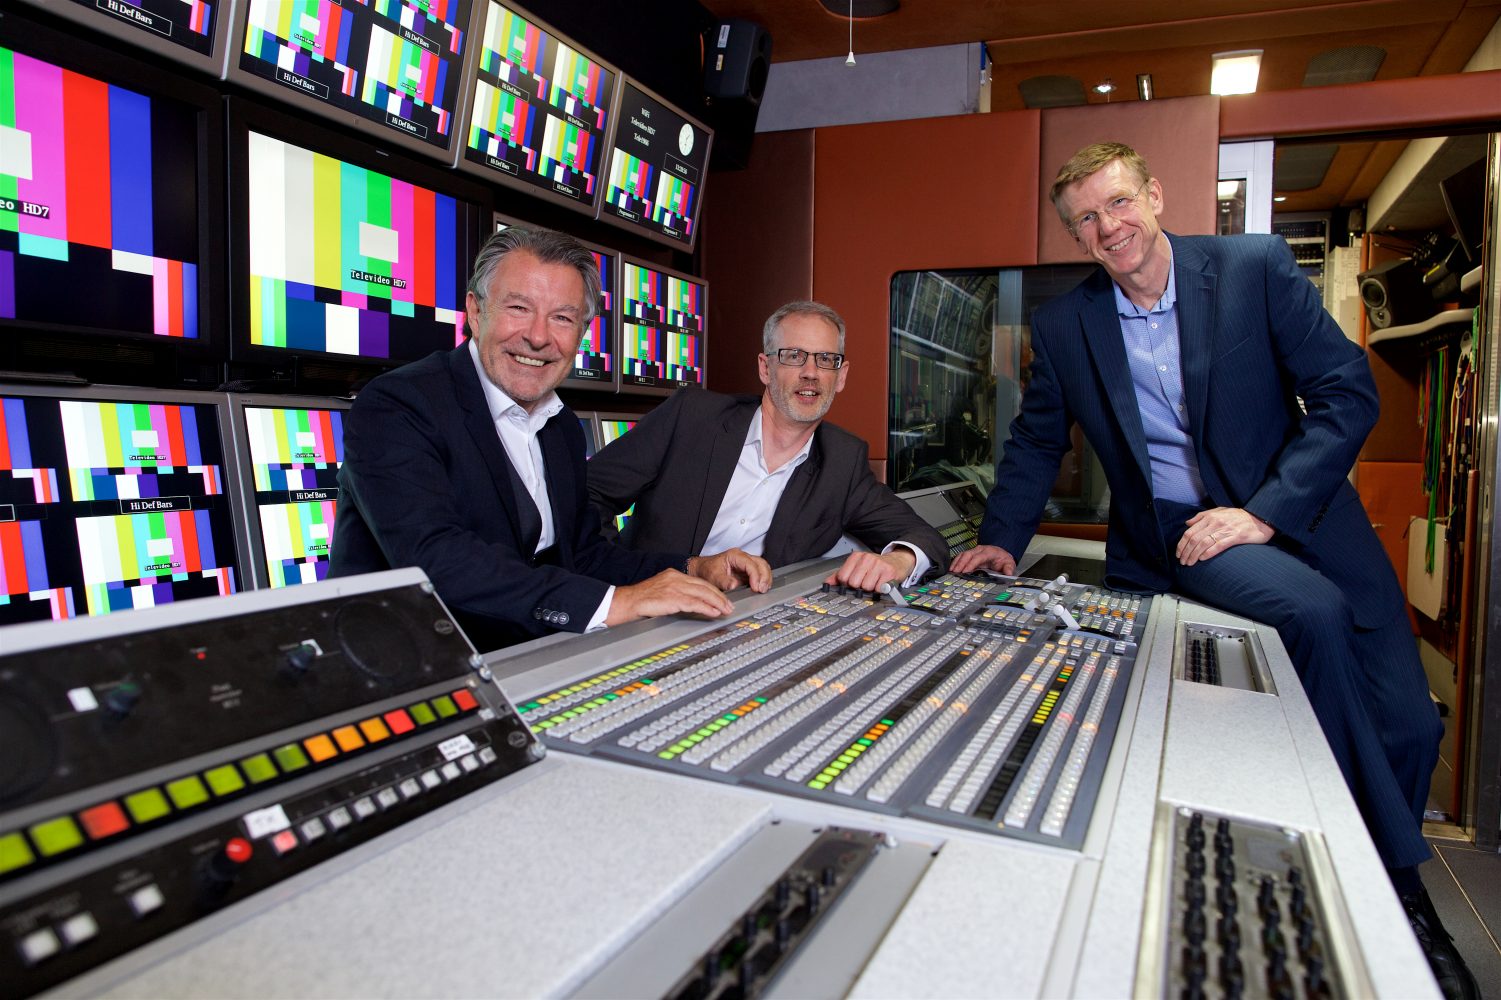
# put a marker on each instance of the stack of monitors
(290, 450)
(361, 261)
(539, 109)
(612, 426)
(109, 194)
(190, 31)
(658, 161)
(110, 501)
(662, 328)
(594, 366)
(391, 68)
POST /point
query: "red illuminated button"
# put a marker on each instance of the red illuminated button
(399, 721)
(284, 842)
(238, 850)
(465, 700)
(103, 820)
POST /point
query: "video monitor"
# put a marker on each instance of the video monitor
(289, 450)
(193, 32)
(538, 111)
(659, 158)
(111, 500)
(612, 426)
(595, 366)
(111, 195)
(343, 253)
(587, 423)
(391, 68)
(662, 328)
(1464, 199)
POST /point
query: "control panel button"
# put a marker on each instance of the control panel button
(410, 789)
(430, 779)
(103, 820)
(364, 808)
(146, 900)
(423, 713)
(387, 797)
(14, 853)
(487, 755)
(313, 829)
(284, 842)
(224, 780)
(451, 771)
(469, 763)
(38, 946)
(54, 836)
(465, 700)
(339, 819)
(78, 928)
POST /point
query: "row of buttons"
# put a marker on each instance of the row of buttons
(81, 928)
(65, 833)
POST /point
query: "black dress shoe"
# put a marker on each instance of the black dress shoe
(1449, 968)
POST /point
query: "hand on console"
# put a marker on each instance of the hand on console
(868, 570)
(667, 593)
(984, 557)
(732, 568)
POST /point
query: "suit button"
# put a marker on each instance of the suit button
(562, 618)
(537, 613)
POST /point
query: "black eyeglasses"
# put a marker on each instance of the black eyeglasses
(796, 357)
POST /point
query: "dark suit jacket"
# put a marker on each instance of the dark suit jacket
(426, 482)
(678, 461)
(1254, 339)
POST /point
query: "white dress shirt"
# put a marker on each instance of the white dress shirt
(517, 430)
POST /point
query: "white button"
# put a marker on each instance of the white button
(38, 946)
(339, 818)
(468, 762)
(364, 808)
(78, 928)
(147, 900)
(451, 771)
(313, 829)
(410, 789)
(387, 797)
(430, 779)
(1154, 326)
(487, 756)
(1162, 368)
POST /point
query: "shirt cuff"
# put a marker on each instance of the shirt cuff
(918, 568)
(597, 623)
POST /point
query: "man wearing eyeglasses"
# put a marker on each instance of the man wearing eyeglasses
(766, 474)
(1185, 361)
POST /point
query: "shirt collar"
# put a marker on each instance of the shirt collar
(1126, 307)
(753, 440)
(503, 407)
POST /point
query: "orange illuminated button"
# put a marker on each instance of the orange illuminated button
(400, 722)
(465, 700)
(104, 820)
(374, 730)
(320, 748)
(348, 738)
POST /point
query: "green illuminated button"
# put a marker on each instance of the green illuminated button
(14, 853)
(224, 780)
(446, 707)
(188, 792)
(147, 805)
(290, 757)
(424, 714)
(258, 768)
(56, 836)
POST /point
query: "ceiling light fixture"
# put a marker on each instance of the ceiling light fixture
(850, 59)
(1235, 72)
(1105, 86)
(1144, 86)
(1227, 189)
(1279, 198)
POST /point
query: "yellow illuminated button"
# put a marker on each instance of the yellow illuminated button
(258, 768)
(56, 836)
(445, 706)
(422, 713)
(375, 730)
(348, 738)
(224, 780)
(14, 853)
(188, 792)
(290, 757)
(147, 805)
(320, 747)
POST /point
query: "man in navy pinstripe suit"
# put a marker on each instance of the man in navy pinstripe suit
(1184, 362)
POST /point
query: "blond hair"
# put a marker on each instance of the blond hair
(1090, 160)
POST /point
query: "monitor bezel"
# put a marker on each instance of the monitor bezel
(573, 381)
(107, 24)
(231, 72)
(88, 59)
(649, 232)
(244, 117)
(178, 397)
(591, 418)
(653, 390)
(239, 402)
(601, 416)
(501, 178)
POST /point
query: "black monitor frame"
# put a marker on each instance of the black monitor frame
(252, 530)
(376, 131)
(496, 176)
(126, 21)
(306, 368)
(626, 386)
(36, 344)
(622, 124)
(136, 394)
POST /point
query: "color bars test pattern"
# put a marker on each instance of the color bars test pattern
(396, 62)
(295, 456)
(539, 111)
(141, 518)
(98, 194)
(349, 261)
(594, 359)
(663, 322)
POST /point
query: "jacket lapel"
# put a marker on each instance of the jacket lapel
(793, 506)
(561, 485)
(724, 455)
(1102, 331)
(482, 431)
(1196, 326)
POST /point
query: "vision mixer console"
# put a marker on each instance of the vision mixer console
(974, 702)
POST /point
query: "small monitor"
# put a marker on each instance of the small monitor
(111, 196)
(663, 314)
(538, 111)
(192, 32)
(1464, 199)
(390, 68)
(611, 427)
(595, 366)
(289, 450)
(112, 499)
(588, 424)
(659, 159)
(342, 252)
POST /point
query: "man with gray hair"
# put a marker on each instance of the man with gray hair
(765, 473)
(467, 464)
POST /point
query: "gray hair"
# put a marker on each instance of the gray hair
(800, 308)
(548, 246)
